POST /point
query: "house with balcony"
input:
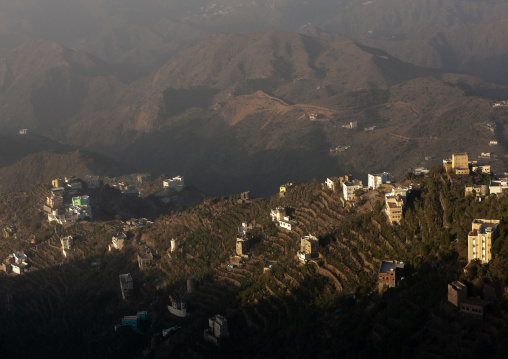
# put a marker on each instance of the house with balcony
(481, 238)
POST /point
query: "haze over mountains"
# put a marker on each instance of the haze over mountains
(155, 87)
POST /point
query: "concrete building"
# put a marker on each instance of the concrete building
(92, 182)
(67, 245)
(485, 169)
(133, 321)
(145, 260)
(245, 197)
(395, 202)
(118, 241)
(56, 183)
(498, 187)
(460, 163)
(242, 245)
(390, 273)
(457, 293)
(23, 131)
(217, 329)
(478, 191)
(285, 187)
(278, 214)
(333, 183)
(245, 228)
(126, 284)
(178, 305)
(18, 261)
(376, 180)
(175, 183)
(309, 248)
(54, 200)
(81, 201)
(483, 234)
(175, 243)
(349, 188)
(473, 307)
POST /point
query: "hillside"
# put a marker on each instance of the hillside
(294, 310)
(28, 160)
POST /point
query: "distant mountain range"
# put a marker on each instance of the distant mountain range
(233, 111)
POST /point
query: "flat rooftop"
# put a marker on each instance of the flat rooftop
(386, 266)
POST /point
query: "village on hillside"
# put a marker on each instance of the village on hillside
(291, 227)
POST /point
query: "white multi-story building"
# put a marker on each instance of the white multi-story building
(349, 188)
(377, 180)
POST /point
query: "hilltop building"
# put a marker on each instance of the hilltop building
(349, 188)
(390, 274)
(126, 284)
(459, 163)
(245, 197)
(309, 248)
(67, 244)
(483, 234)
(217, 329)
(23, 131)
(376, 180)
(175, 183)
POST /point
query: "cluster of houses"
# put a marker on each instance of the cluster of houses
(66, 203)
(280, 216)
(16, 262)
(460, 164)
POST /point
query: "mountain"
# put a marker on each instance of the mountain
(43, 84)
(453, 35)
(234, 110)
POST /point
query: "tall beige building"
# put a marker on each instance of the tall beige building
(460, 163)
(480, 239)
